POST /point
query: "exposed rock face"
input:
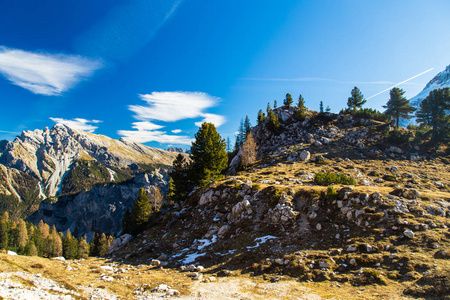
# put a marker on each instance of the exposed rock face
(95, 178)
(101, 208)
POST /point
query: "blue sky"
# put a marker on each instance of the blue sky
(153, 70)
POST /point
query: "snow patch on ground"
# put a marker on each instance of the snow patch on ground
(190, 258)
(262, 240)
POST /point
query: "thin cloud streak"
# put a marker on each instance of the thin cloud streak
(12, 132)
(44, 73)
(78, 123)
(309, 79)
(397, 84)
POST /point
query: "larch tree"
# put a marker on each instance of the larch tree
(261, 117)
(22, 238)
(83, 248)
(249, 151)
(398, 106)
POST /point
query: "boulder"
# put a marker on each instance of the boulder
(305, 155)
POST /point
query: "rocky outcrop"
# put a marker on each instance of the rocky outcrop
(100, 209)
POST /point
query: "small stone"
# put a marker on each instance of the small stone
(319, 226)
(409, 233)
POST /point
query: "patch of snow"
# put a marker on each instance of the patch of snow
(262, 240)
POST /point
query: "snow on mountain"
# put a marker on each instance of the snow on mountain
(441, 80)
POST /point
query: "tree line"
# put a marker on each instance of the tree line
(25, 238)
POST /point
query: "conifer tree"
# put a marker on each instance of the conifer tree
(181, 183)
(99, 245)
(4, 241)
(57, 249)
(140, 211)
(30, 249)
(275, 104)
(398, 106)
(261, 117)
(83, 248)
(328, 109)
(432, 112)
(248, 156)
(208, 154)
(356, 100)
(247, 127)
(22, 234)
(228, 145)
(321, 107)
(268, 108)
(288, 100)
(273, 121)
(300, 113)
(70, 246)
(44, 229)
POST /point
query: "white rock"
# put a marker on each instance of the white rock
(319, 226)
(9, 252)
(324, 264)
(408, 233)
(107, 268)
(155, 263)
(351, 249)
(59, 258)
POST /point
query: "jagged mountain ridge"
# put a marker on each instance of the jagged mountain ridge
(42, 164)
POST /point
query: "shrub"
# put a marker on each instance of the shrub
(399, 137)
(367, 113)
(327, 178)
(331, 193)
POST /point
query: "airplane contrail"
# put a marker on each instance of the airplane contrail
(400, 83)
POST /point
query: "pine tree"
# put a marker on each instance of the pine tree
(181, 183)
(4, 241)
(83, 248)
(328, 109)
(127, 222)
(274, 123)
(228, 145)
(300, 113)
(268, 108)
(240, 138)
(140, 211)
(301, 103)
(321, 107)
(31, 249)
(432, 112)
(356, 100)
(249, 150)
(208, 154)
(261, 117)
(275, 104)
(247, 127)
(99, 245)
(288, 100)
(398, 106)
(70, 246)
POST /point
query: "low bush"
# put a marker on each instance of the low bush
(327, 178)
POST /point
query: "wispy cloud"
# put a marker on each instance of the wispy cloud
(170, 107)
(126, 28)
(173, 106)
(43, 73)
(148, 132)
(217, 120)
(12, 132)
(78, 123)
(397, 84)
(311, 79)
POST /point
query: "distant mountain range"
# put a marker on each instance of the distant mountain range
(441, 80)
(62, 164)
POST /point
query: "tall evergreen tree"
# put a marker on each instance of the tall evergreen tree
(273, 121)
(432, 112)
(4, 241)
(261, 117)
(22, 231)
(208, 154)
(228, 145)
(268, 108)
(321, 107)
(301, 103)
(70, 246)
(181, 183)
(275, 104)
(140, 211)
(83, 248)
(356, 100)
(288, 100)
(247, 127)
(398, 106)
